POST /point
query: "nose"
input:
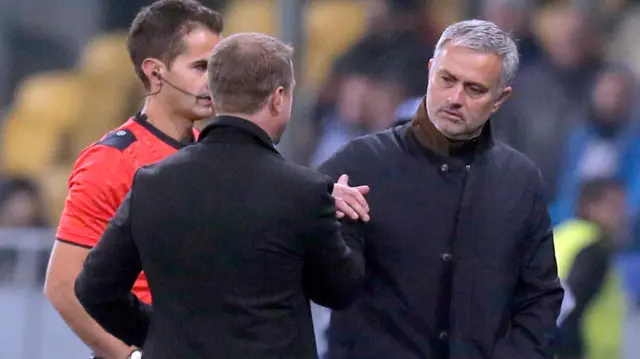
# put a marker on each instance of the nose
(456, 98)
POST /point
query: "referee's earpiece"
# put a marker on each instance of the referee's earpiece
(155, 74)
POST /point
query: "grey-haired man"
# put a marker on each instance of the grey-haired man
(459, 250)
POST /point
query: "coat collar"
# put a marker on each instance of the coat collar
(247, 127)
(429, 137)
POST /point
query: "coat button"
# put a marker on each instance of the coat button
(444, 167)
(446, 257)
(443, 336)
(467, 167)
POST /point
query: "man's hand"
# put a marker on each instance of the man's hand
(64, 265)
(350, 201)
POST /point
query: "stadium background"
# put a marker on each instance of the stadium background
(65, 79)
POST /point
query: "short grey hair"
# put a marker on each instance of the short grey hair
(484, 36)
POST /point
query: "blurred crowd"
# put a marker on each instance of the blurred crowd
(574, 110)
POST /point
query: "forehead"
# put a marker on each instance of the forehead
(469, 65)
(199, 43)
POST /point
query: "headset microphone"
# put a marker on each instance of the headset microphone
(199, 97)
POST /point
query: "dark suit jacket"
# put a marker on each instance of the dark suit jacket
(234, 241)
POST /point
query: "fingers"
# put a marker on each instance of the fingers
(362, 212)
(355, 196)
(343, 180)
(354, 205)
(345, 209)
(350, 201)
(352, 194)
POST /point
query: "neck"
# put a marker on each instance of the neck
(177, 127)
(266, 124)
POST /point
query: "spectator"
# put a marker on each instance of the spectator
(606, 143)
(549, 94)
(585, 248)
(515, 17)
(21, 204)
(374, 81)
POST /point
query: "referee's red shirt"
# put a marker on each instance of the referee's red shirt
(102, 177)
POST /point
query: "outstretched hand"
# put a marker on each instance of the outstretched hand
(350, 201)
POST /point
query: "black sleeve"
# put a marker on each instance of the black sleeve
(538, 294)
(587, 275)
(353, 232)
(584, 281)
(104, 284)
(333, 273)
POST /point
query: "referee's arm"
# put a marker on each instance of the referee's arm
(97, 184)
(104, 284)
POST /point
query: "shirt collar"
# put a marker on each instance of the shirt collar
(225, 121)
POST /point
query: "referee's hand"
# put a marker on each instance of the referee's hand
(350, 201)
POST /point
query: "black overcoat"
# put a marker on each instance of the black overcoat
(459, 251)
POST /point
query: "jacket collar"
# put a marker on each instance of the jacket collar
(247, 127)
(430, 138)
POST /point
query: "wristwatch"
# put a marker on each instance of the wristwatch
(135, 354)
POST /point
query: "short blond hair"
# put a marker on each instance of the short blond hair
(245, 69)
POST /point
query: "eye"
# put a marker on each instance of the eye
(448, 79)
(200, 66)
(477, 91)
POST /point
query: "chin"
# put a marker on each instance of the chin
(453, 131)
(202, 113)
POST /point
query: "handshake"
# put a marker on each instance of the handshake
(350, 201)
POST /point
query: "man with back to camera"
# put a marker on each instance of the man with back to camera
(169, 44)
(459, 250)
(249, 239)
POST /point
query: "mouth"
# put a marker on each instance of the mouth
(453, 115)
(205, 99)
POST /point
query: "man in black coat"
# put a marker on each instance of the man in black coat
(234, 239)
(459, 250)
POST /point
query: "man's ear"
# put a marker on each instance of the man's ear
(277, 101)
(153, 70)
(504, 95)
